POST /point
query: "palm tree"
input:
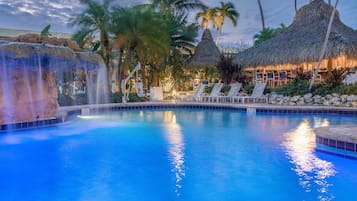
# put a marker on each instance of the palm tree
(225, 10)
(261, 14)
(207, 15)
(141, 33)
(183, 35)
(94, 19)
(267, 34)
(166, 6)
(295, 5)
(322, 54)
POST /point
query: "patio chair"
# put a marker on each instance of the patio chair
(256, 97)
(233, 91)
(214, 93)
(199, 90)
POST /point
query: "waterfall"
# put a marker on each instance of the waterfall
(28, 90)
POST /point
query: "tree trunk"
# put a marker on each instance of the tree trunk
(322, 54)
(120, 68)
(219, 32)
(261, 14)
(295, 6)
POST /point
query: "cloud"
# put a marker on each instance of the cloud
(36, 14)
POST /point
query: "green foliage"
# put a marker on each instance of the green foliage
(94, 21)
(226, 68)
(133, 97)
(305, 76)
(46, 31)
(295, 87)
(335, 77)
(267, 34)
(248, 88)
(207, 89)
(322, 89)
(301, 87)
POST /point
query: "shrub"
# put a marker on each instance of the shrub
(248, 88)
(295, 87)
(133, 97)
(301, 87)
(207, 89)
(335, 77)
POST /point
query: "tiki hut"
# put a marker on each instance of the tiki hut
(206, 54)
(299, 46)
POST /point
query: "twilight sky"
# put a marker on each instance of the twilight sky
(36, 14)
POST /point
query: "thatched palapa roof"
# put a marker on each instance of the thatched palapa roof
(301, 43)
(206, 53)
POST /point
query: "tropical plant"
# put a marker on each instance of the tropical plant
(167, 6)
(207, 15)
(293, 88)
(183, 35)
(226, 68)
(336, 77)
(264, 35)
(305, 76)
(267, 34)
(226, 10)
(92, 21)
(142, 34)
(46, 31)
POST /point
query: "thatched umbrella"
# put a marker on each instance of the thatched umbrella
(206, 53)
(300, 44)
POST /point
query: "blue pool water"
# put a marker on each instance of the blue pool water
(190, 155)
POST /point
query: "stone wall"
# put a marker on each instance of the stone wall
(314, 100)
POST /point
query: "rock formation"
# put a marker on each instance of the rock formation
(28, 90)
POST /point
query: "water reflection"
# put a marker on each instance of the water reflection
(300, 148)
(176, 149)
(319, 122)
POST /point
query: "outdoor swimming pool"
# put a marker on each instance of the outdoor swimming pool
(176, 154)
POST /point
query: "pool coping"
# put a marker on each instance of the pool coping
(341, 137)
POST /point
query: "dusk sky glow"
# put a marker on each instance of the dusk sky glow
(35, 15)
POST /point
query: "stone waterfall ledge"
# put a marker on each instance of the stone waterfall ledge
(49, 57)
(28, 91)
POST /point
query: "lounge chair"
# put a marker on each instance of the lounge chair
(233, 91)
(214, 93)
(256, 97)
(199, 90)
